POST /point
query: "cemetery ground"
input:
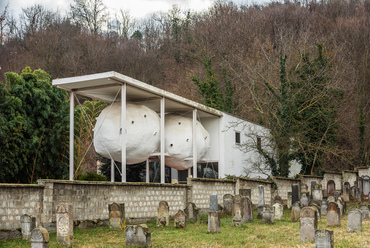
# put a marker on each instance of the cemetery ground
(283, 233)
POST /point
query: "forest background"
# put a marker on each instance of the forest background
(253, 50)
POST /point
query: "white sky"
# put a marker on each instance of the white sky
(137, 8)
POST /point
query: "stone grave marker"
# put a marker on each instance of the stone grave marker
(355, 193)
(330, 187)
(268, 215)
(307, 224)
(331, 199)
(354, 223)
(213, 202)
(336, 194)
(192, 212)
(28, 223)
(317, 192)
(340, 206)
(365, 212)
(138, 236)
(296, 209)
(261, 201)
(289, 200)
(304, 188)
(39, 238)
(295, 193)
(304, 200)
(278, 199)
(360, 184)
(313, 183)
(179, 220)
(245, 192)
(65, 224)
(163, 217)
(324, 207)
(214, 221)
(317, 208)
(278, 210)
(333, 215)
(324, 239)
(116, 215)
(228, 204)
(365, 185)
(237, 211)
(346, 191)
(247, 213)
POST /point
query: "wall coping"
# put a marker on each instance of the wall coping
(214, 180)
(106, 183)
(254, 180)
(348, 171)
(362, 168)
(18, 185)
(332, 172)
(308, 176)
(286, 178)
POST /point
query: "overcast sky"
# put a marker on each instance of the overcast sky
(137, 8)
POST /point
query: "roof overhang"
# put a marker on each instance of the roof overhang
(106, 87)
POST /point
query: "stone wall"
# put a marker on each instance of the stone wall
(305, 179)
(247, 183)
(351, 177)
(334, 176)
(363, 171)
(284, 185)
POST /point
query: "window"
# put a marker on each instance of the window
(259, 143)
(237, 138)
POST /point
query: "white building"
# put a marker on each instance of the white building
(233, 140)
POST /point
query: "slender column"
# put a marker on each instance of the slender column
(112, 170)
(147, 171)
(71, 135)
(123, 131)
(195, 153)
(162, 141)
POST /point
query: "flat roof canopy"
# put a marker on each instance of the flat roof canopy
(106, 87)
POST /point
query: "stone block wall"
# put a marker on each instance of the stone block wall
(351, 177)
(285, 185)
(363, 171)
(17, 200)
(336, 177)
(247, 183)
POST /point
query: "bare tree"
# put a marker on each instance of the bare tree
(90, 14)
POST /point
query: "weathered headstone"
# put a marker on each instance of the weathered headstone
(192, 212)
(278, 210)
(354, 223)
(237, 211)
(333, 215)
(213, 202)
(317, 208)
(268, 215)
(245, 192)
(261, 201)
(354, 194)
(39, 238)
(296, 209)
(278, 199)
(179, 219)
(228, 204)
(365, 212)
(307, 224)
(247, 213)
(138, 236)
(289, 200)
(324, 207)
(346, 191)
(317, 192)
(360, 184)
(65, 224)
(28, 223)
(117, 215)
(365, 185)
(304, 200)
(163, 217)
(304, 188)
(342, 206)
(295, 193)
(313, 183)
(331, 187)
(214, 221)
(332, 199)
(324, 239)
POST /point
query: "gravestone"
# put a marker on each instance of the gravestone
(355, 194)
(296, 209)
(365, 185)
(324, 239)
(346, 191)
(342, 206)
(324, 207)
(289, 200)
(336, 194)
(295, 193)
(331, 199)
(192, 212)
(360, 184)
(228, 204)
(278, 199)
(331, 187)
(214, 221)
(307, 224)
(304, 188)
(65, 224)
(247, 213)
(213, 202)
(313, 183)
(179, 219)
(317, 208)
(268, 215)
(237, 211)
(365, 212)
(116, 215)
(163, 217)
(245, 192)
(261, 201)
(28, 223)
(333, 215)
(278, 210)
(317, 192)
(354, 223)
(39, 238)
(304, 200)
(138, 236)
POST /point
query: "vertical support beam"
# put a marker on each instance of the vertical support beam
(147, 171)
(162, 141)
(195, 150)
(174, 174)
(112, 170)
(71, 135)
(123, 131)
